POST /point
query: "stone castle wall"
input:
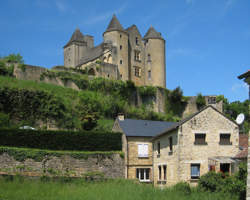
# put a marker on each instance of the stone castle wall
(111, 166)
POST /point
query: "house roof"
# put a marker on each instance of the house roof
(152, 34)
(245, 75)
(114, 25)
(143, 128)
(190, 117)
(77, 36)
(243, 144)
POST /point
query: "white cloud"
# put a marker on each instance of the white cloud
(104, 16)
(61, 6)
(239, 86)
(190, 1)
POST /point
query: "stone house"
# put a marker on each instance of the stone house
(124, 54)
(137, 145)
(207, 140)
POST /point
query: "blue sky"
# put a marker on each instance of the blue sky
(207, 42)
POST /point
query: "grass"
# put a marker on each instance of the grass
(20, 189)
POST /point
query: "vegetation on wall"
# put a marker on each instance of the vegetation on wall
(200, 101)
(61, 140)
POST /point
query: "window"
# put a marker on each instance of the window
(143, 174)
(159, 167)
(149, 74)
(225, 139)
(170, 140)
(158, 148)
(200, 139)
(137, 56)
(142, 150)
(120, 47)
(164, 172)
(225, 167)
(211, 100)
(195, 171)
(120, 36)
(138, 71)
(149, 58)
(136, 41)
(121, 62)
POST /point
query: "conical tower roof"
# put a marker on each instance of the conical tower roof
(77, 36)
(114, 25)
(152, 34)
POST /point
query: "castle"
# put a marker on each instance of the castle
(123, 55)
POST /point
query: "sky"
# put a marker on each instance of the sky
(207, 42)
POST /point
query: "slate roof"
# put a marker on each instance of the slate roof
(77, 36)
(176, 125)
(114, 25)
(143, 128)
(152, 34)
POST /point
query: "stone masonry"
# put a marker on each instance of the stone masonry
(111, 166)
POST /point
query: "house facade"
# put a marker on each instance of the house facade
(137, 145)
(205, 141)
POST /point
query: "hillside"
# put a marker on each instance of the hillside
(94, 104)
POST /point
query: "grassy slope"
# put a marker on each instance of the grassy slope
(69, 97)
(111, 190)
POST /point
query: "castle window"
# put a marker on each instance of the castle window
(137, 71)
(109, 60)
(149, 74)
(121, 62)
(136, 41)
(164, 172)
(120, 47)
(120, 36)
(211, 100)
(137, 56)
(149, 58)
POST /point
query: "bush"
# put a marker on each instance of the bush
(182, 187)
(200, 101)
(211, 181)
(61, 140)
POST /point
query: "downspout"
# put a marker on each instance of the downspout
(179, 135)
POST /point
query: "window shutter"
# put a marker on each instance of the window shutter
(145, 150)
(140, 150)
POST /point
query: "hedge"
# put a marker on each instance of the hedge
(61, 140)
(21, 154)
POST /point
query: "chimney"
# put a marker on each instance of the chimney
(121, 116)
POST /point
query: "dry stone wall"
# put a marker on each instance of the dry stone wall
(111, 166)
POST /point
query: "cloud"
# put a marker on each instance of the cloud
(239, 86)
(61, 6)
(190, 2)
(104, 16)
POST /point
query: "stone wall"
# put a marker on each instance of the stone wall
(111, 166)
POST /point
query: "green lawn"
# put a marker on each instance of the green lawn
(109, 190)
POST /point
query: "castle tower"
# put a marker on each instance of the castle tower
(116, 35)
(74, 49)
(155, 70)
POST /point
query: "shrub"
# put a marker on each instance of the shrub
(61, 140)
(182, 187)
(211, 181)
